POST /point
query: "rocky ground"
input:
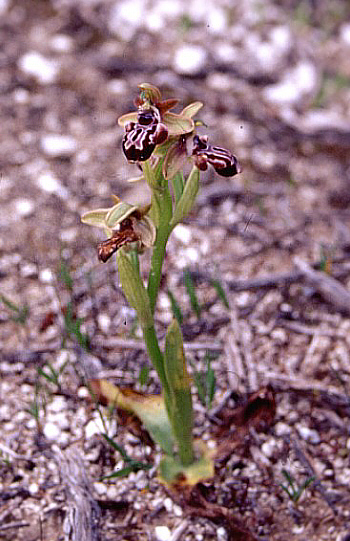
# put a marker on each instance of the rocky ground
(274, 77)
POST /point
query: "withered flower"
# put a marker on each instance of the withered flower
(224, 163)
(125, 224)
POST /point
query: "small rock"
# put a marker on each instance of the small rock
(183, 233)
(308, 434)
(57, 404)
(345, 33)
(29, 270)
(51, 431)
(61, 43)
(162, 533)
(33, 489)
(268, 448)
(104, 322)
(190, 59)
(49, 183)
(46, 276)
(43, 69)
(24, 207)
(100, 488)
(221, 534)
(58, 146)
(297, 83)
(126, 17)
(4, 5)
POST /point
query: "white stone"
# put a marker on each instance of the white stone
(308, 434)
(100, 488)
(4, 5)
(192, 255)
(55, 145)
(125, 17)
(216, 20)
(51, 431)
(57, 404)
(282, 429)
(104, 322)
(168, 504)
(24, 207)
(345, 33)
(268, 448)
(190, 59)
(20, 95)
(48, 182)
(117, 86)
(221, 534)
(61, 43)
(43, 69)
(183, 233)
(162, 533)
(33, 488)
(296, 83)
(154, 21)
(46, 276)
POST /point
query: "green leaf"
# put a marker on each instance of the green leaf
(172, 471)
(191, 291)
(175, 307)
(178, 183)
(134, 289)
(187, 199)
(220, 291)
(179, 398)
(150, 409)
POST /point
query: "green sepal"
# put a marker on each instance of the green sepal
(187, 199)
(134, 289)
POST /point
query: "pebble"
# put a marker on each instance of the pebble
(125, 17)
(269, 447)
(57, 404)
(29, 270)
(104, 322)
(190, 59)
(345, 33)
(308, 434)
(4, 5)
(48, 182)
(61, 43)
(162, 533)
(100, 488)
(33, 488)
(51, 431)
(46, 276)
(58, 146)
(183, 233)
(297, 83)
(24, 207)
(221, 534)
(43, 69)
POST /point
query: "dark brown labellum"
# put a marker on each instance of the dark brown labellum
(141, 138)
(224, 163)
(120, 238)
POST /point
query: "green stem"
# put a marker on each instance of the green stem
(155, 355)
(155, 274)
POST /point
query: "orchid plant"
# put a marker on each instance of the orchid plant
(160, 142)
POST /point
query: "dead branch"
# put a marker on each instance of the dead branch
(331, 290)
(83, 513)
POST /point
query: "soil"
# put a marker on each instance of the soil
(286, 329)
